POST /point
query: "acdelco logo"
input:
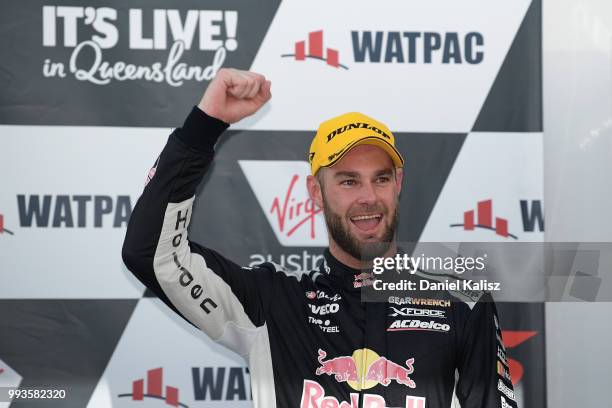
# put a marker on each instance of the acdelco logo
(418, 325)
(358, 125)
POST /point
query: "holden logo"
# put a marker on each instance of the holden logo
(311, 295)
(280, 188)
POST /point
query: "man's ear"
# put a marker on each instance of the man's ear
(314, 190)
(399, 177)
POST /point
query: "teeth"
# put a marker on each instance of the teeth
(365, 217)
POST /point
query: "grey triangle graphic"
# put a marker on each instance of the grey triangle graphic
(61, 344)
(429, 159)
(514, 103)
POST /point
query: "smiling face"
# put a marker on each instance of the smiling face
(360, 199)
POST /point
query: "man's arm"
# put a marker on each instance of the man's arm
(484, 376)
(213, 293)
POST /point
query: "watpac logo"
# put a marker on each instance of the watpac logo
(154, 389)
(484, 214)
(2, 229)
(88, 31)
(416, 47)
(73, 211)
(280, 188)
(531, 213)
(393, 47)
(315, 51)
(214, 384)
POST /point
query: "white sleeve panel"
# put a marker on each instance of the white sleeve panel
(197, 291)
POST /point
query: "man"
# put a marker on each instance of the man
(309, 340)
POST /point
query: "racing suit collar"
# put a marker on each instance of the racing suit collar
(349, 278)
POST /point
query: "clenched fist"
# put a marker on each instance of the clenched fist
(235, 94)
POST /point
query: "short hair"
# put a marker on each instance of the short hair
(319, 175)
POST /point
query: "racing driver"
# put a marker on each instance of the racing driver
(409, 351)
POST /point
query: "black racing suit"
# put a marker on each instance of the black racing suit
(307, 337)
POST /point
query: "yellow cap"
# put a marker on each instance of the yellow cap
(336, 136)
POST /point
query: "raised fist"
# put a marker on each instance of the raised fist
(233, 95)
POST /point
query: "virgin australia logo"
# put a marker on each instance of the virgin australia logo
(280, 188)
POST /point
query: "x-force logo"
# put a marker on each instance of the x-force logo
(411, 311)
(280, 189)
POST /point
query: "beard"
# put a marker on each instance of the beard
(341, 234)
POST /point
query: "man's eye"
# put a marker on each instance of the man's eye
(383, 180)
(348, 182)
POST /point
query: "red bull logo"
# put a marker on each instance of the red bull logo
(365, 369)
(384, 371)
(342, 368)
(313, 396)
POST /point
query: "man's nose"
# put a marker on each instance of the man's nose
(367, 194)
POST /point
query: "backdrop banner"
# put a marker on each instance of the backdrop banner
(90, 92)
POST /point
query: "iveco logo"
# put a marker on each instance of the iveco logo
(329, 308)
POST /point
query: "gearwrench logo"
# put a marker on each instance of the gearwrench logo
(280, 188)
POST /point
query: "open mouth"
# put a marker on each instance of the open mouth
(367, 222)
